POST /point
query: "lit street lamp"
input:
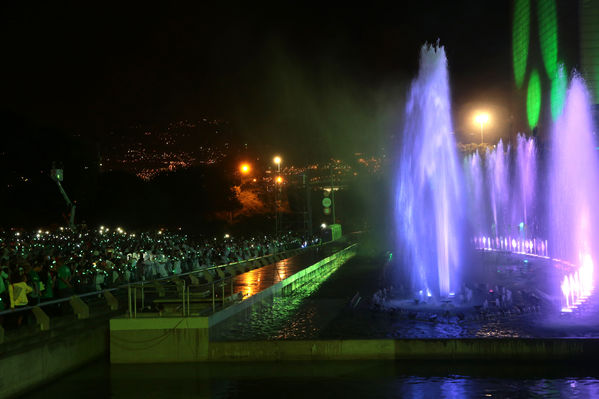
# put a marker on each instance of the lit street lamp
(277, 161)
(245, 168)
(481, 119)
(279, 182)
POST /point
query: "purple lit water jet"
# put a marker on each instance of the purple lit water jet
(574, 194)
(429, 194)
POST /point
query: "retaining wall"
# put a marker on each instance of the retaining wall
(41, 358)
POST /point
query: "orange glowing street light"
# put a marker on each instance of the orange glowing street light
(279, 179)
(245, 168)
(481, 118)
(277, 160)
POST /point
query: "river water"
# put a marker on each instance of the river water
(349, 379)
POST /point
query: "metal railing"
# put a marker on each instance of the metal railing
(184, 290)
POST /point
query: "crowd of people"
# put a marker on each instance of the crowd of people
(44, 265)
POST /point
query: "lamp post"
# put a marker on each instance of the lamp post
(244, 172)
(482, 118)
(277, 161)
(278, 183)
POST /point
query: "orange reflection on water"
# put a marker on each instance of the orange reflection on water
(282, 269)
(250, 283)
(257, 280)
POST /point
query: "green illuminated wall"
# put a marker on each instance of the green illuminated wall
(533, 99)
(520, 39)
(589, 44)
(547, 17)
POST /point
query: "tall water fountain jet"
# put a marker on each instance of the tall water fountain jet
(501, 189)
(477, 201)
(429, 207)
(574, 194)
(497, 162)
(526, 172)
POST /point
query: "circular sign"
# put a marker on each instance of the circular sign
(326, 202)
(327, 211)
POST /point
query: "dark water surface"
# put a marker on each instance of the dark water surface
(349, 379)
(322, 310)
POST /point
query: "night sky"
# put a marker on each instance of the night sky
(329, 75)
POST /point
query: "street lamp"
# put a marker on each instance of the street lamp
(245, 168)
(277, 161)
(481, 119)
(278, 180)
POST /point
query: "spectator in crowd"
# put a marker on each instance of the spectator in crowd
(18, 291)
(4, 301)
(48, 278)
(63, 278)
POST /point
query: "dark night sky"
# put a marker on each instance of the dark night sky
(282, 74)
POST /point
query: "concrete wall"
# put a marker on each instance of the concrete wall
(159, 340)
(39, 359)
(408, 349)
(190, 345)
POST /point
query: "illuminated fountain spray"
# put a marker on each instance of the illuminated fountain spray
(477, 200)
(429, 192)
(497, 162)
(574, 195)
(501, 199)
(526, 176)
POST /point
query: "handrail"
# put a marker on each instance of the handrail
(184, 300)
(144, 282)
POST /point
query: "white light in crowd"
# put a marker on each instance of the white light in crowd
(324, 225)
(17, 234)
(227, 236)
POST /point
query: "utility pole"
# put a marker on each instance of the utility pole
(278, 183)
(307, 207)
(333, 196)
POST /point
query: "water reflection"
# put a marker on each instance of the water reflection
(317, 379)
(257, 280)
